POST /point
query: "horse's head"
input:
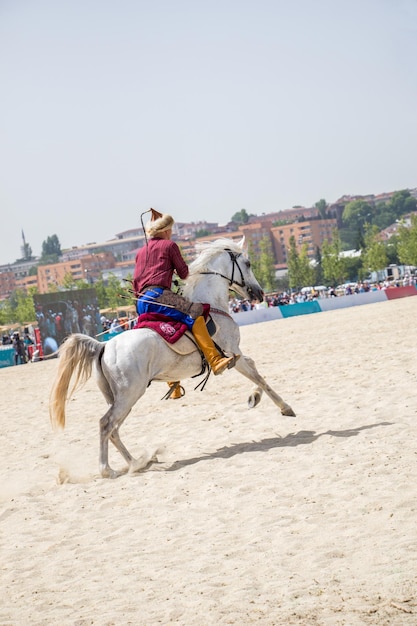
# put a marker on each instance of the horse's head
(242, 278)
(228, 259)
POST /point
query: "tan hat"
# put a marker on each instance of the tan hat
(159, 223)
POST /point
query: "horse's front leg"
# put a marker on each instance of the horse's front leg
(135, 465)
(246, 366)
(119, 445)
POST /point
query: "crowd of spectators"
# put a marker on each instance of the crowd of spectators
(22, 345)
(308, 294)
(117, 324)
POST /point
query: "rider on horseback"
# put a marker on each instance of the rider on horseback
(154, 268)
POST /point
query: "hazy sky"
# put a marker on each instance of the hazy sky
(199, 109)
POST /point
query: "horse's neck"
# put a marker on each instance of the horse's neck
(210, 289)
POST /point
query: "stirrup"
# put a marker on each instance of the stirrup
(232, 363)
(226, 366)
(175, 391)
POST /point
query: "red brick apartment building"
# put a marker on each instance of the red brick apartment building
(25, 282)
(7, 284)
(311, 233)
(87, 268)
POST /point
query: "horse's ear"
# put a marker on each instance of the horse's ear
(241, 243)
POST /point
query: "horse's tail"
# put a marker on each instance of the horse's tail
(76, 356)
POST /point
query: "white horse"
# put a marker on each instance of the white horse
(125, 365)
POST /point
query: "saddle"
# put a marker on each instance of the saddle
(176, 334)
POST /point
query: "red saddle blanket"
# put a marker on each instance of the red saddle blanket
(167, 327)
(171, 330)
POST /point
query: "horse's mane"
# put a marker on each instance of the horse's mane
(207, 250)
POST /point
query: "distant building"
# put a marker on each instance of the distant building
(184, 230)
(288, 215)
(89, 268)
(26, 282)
(391, 230)
(7, 284)
(312, 233)
(255, 232)
(20, 269)
(121, 247)
(122, 270)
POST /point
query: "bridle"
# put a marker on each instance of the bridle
(231, 280)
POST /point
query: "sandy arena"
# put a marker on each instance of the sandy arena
(248, 517)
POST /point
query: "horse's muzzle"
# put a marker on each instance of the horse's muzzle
(255, 293)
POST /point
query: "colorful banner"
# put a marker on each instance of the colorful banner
(322, 304)
(65, 312)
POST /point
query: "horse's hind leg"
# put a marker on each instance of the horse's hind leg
(109, 430)
(246, 366)
(106, 427)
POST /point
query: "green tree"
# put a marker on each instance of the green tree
(333, 264)
(353, 266)
(51, 250)
(19, 307)
(101, 293)
(283, 283)
(241, 217)
(384, 215)
(81, 283)
(391, 248)
(402, 203)
(300, 271)
(293, 261)
(374, 255)
(113, 292)
(407, 242)
(69, 282)
(254, 261)
(266, 265)
(51, 245)
(348, 238)
(127, 291)
(6, 311)
(321, 205)
(307, 271)
(357, 213)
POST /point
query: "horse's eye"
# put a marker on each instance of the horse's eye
(247, 263)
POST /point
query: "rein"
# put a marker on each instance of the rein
(231, 280)
(220, 312)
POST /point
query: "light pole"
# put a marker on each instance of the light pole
(88, 277)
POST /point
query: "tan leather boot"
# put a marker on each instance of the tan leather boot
(217, 362)
(178, 390)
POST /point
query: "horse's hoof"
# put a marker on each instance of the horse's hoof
(107, 472)
(253, 400)
(143, 462)
(288, 412)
